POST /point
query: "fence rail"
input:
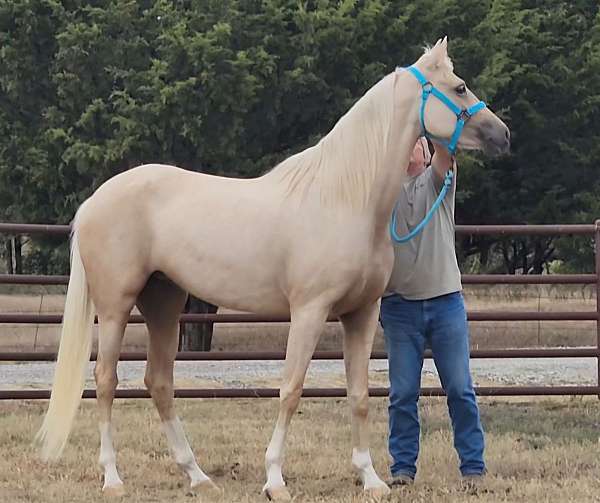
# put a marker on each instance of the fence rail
(476, 316)
(318, 355)
(54, 319)
(309, 392)
(467, 279)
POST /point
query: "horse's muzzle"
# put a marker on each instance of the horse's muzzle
(496, 138)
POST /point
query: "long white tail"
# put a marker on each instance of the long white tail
(72, 363)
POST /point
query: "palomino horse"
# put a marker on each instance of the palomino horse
(309, 239)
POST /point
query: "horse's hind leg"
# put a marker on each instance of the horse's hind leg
(111, 329)
(161, 303)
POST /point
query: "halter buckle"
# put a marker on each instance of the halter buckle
(464, 115)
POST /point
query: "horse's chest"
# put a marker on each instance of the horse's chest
(369, 280)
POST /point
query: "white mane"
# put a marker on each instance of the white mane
(341, 168)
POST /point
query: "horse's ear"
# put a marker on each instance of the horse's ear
(438, 53)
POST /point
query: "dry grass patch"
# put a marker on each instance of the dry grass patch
(538, 450)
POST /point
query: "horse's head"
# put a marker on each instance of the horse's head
(482, 130)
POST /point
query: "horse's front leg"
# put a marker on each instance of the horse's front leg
(307, 324)
(359, 331)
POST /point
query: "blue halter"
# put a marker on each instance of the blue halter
(462, 116)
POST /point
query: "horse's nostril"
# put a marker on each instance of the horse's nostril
(507, 134)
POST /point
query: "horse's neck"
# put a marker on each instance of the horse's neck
(403, 133)
(391, 175)
(340, 170)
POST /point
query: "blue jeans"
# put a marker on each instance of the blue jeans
(441, 324)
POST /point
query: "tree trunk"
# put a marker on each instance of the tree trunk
(18, 258)
(509, 260)
(524, 262)
(543, 253)
(197, 336)
(538, 258)
(484, 256)
(9, 255)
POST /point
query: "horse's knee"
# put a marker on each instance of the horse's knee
(359, 404)
(148, 381)
(289, 397)
(158, 386)
(161, 391)
(106, 377)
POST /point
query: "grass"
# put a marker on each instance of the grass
(537, 450)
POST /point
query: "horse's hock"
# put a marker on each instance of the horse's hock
(272, 336)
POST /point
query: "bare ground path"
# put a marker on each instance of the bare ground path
(531, 371)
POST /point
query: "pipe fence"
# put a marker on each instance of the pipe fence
(474, 316)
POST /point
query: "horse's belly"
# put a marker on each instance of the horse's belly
(225, 291)
(225, 273)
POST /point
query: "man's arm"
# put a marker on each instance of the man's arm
(440, 164)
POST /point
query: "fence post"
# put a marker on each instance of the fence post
(597, 271)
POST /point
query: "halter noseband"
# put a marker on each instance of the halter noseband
(462, 114)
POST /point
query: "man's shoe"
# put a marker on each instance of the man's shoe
(401, 479)
(472, 481)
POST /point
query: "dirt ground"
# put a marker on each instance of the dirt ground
(537, 451)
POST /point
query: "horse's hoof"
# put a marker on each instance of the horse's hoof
(377, 493)
(207, 489)
(278, 494)
(117, 491)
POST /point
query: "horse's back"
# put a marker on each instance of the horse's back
(136, 197)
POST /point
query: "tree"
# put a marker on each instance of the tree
(231, 87)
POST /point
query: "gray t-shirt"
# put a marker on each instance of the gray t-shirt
(426, 266)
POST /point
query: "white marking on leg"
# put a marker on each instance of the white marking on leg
(182, 452)
(361, 460)
(108, 457)
(274, 459)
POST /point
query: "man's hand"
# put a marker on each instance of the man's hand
(441, 162)
(419, 158)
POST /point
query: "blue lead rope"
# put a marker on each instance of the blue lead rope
(403, 239)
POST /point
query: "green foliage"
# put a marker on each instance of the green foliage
(89, 89)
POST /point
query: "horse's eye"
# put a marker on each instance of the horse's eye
(461, 90)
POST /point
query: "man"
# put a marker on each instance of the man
(423, 307)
